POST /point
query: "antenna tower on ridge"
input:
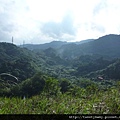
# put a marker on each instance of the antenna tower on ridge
(23, 43)
(12, 39)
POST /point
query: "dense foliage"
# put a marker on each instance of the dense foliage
(68, 79)
(52, 100)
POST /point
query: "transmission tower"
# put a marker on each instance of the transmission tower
(23, 43)
(12, 39)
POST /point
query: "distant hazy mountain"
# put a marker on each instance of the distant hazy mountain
(84, 41)
(108, 45)
(53, 44)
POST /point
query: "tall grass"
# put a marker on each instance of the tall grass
(101, 103)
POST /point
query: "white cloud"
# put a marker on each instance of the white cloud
(108, 16)
(58, 29)
(39, 21)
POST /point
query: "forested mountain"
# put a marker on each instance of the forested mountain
(61, 59)
(17, 61)
(112, 71)
(24, 63)
(53, 44)
(60, 71)
(106, 46)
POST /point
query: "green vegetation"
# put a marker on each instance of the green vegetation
(76, 100)
(70, 79)
(46, 95)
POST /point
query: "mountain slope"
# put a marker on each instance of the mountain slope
(17, 61)
(107, 46)
(112, 71)
(68, 61)
(24, 63)
(53, 44)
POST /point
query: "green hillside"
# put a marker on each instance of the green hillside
(17, 61)
(81, 78)
(107, 46)
(110, 72)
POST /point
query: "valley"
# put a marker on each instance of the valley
(61, 71)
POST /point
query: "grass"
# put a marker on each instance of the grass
(101, 103)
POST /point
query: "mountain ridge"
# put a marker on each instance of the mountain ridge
(53, 44)
(107, 45)
(73, 63)
(51, 60)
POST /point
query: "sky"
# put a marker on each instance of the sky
(43, 21)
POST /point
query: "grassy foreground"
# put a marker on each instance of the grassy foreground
(82, 102)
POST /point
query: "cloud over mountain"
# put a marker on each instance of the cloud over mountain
(57, 30)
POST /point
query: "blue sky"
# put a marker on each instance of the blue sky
(41, 21)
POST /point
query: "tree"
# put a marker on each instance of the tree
(34, 85)
(65, 85)
(52, 87)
